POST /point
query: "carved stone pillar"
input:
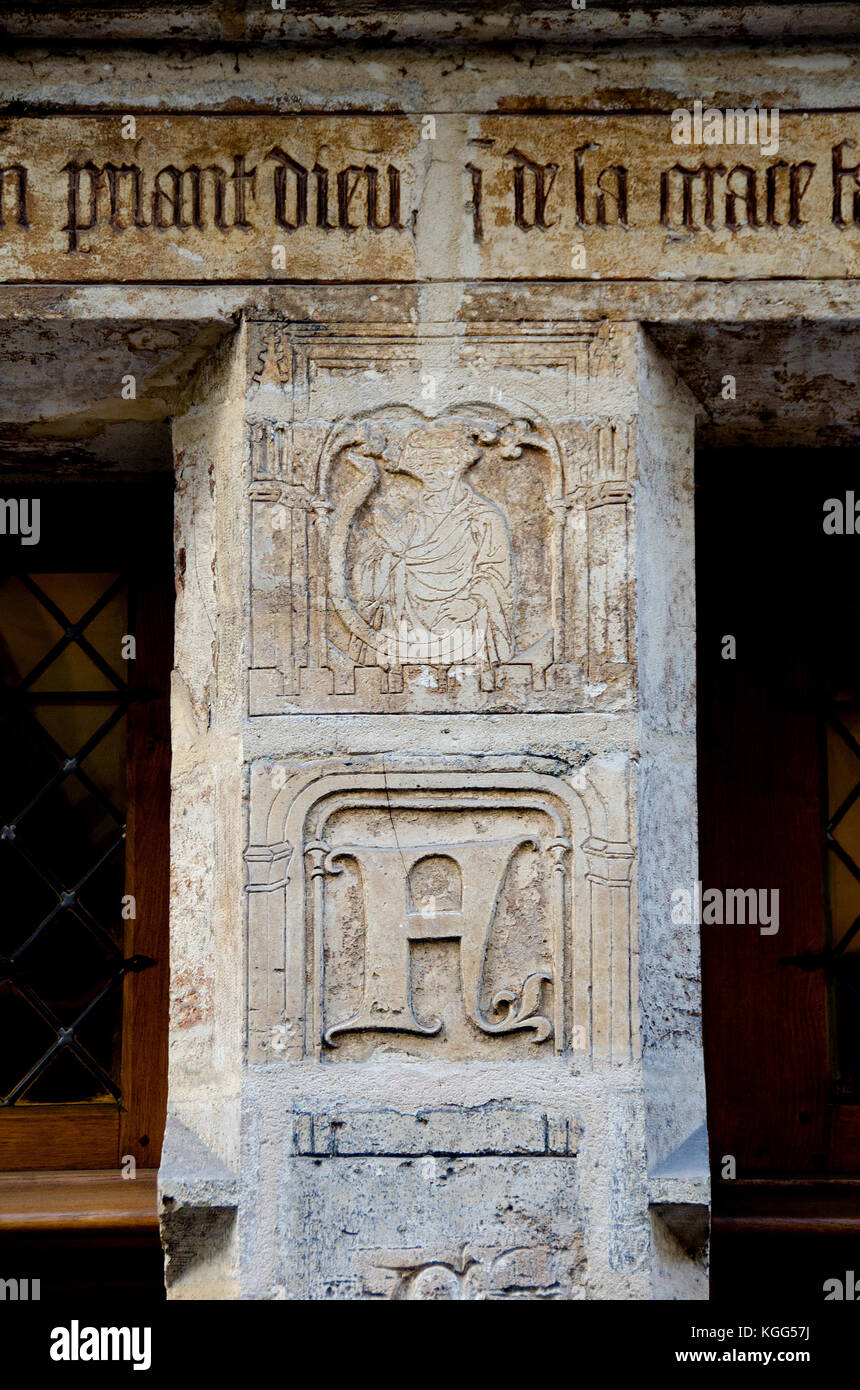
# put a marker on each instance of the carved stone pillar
(436, 596)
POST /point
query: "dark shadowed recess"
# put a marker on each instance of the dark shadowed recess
(779, 810)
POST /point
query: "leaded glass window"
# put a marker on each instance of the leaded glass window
(62, 832)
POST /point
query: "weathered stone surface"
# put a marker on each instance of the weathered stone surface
(200, 198)
(359, 57)
(486, 1129)
(460, 926)
(197, 1196)
(429, 549)
(609, 196)
(602, 196)
(472, 910)
(554, 22)
(207, 706)
(525, 1237)
(442, 934)
(417, 1038)
(65, 349)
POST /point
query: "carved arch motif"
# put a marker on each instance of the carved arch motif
(420, 559)
(304, 834)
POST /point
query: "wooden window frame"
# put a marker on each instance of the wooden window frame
(100, 1135)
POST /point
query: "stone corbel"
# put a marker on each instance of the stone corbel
(198, 1198)
(679, 1194)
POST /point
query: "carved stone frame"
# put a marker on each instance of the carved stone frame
(590, 449)
(595, 956)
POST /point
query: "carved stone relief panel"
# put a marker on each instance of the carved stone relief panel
(439, 524)
(469, 1203)
(453, 912)
(451, 1228)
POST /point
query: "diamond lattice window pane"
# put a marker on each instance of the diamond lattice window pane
(63, 718)
(24, 1037)
(64, 1080)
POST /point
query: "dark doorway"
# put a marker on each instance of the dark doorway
(86, 623)
(779, 813)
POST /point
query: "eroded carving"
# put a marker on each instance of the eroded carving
(435, 582)
(405, 971)
(415, 564)
(470, 875)
(482, 1130)
(274, 358)
(450, 1228)
(452, 913)
(445, 544)
(524, 1271)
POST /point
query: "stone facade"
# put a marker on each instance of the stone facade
(424, 341)
(442, 940)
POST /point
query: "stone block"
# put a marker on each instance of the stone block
(431, 1228)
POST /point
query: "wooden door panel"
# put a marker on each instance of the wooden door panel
(765, 575)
